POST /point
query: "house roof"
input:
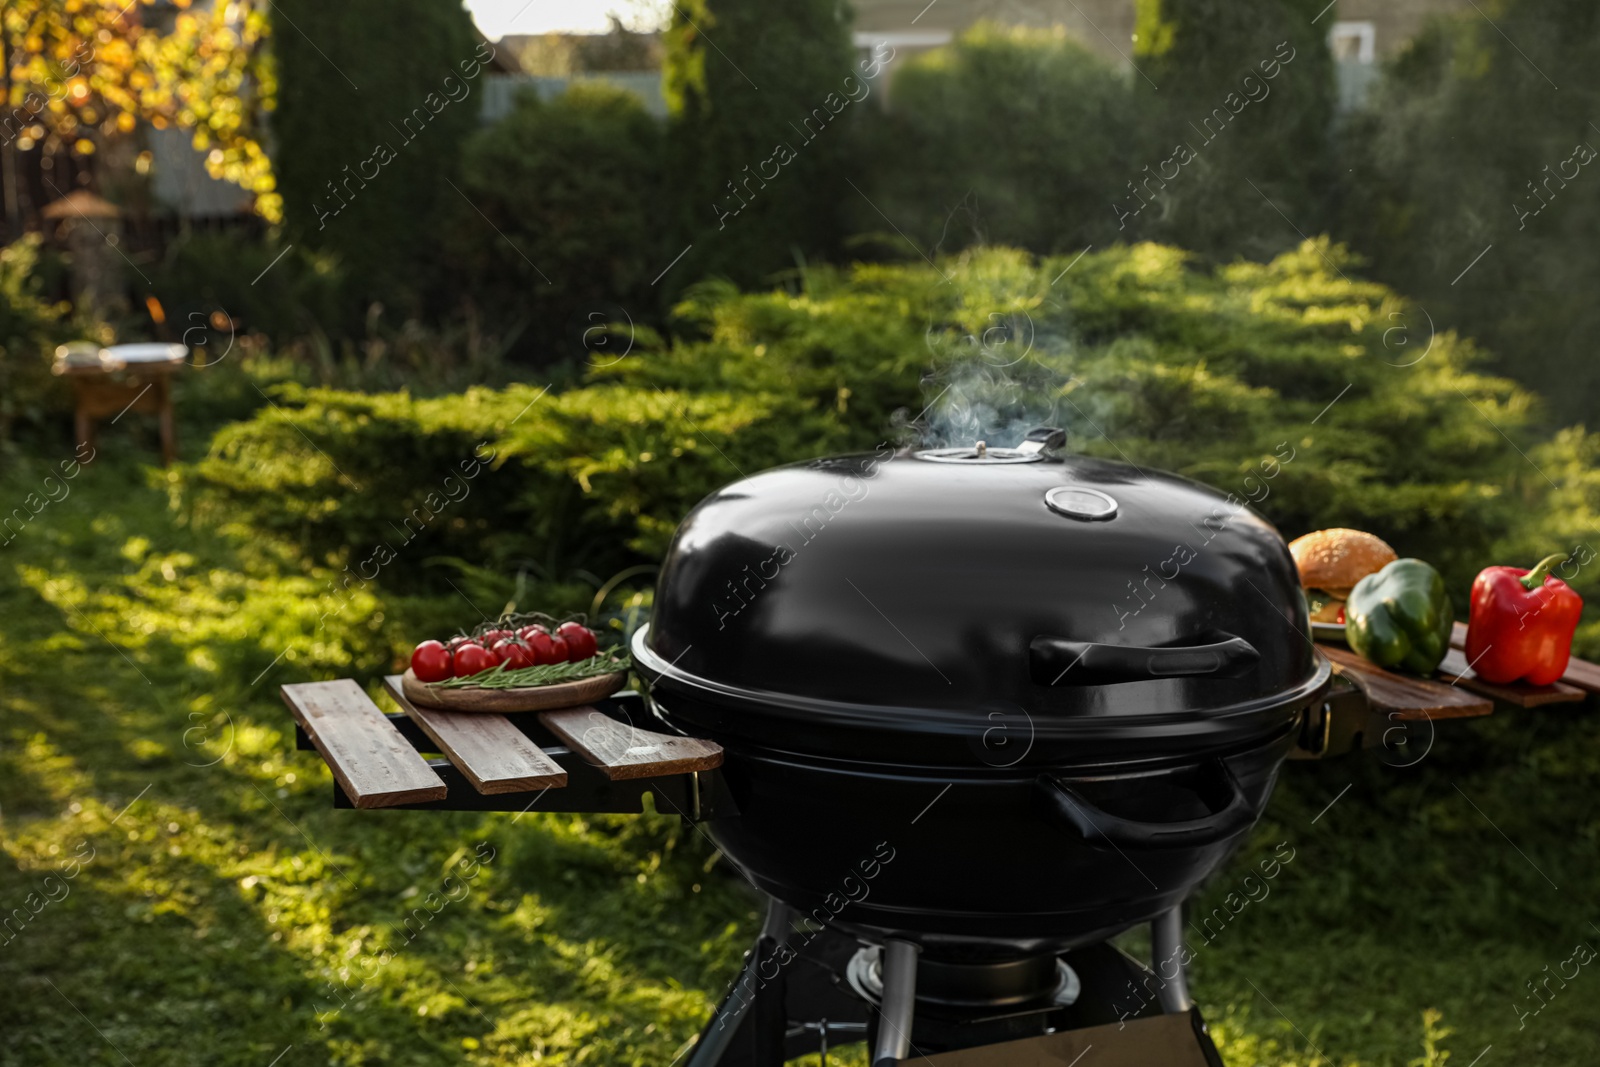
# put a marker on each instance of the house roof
(503, 60)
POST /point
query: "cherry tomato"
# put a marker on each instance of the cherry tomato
(471, 658)
(527, 632)
(430, 662)
(561, 653)
(457, 641)
(542, 647)
(1340, 617)
(580, 640)
(513, 654)
(488, 640)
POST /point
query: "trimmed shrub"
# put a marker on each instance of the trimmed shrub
(756, 93)
(572, 187)
(1465, 144)
(1241, 93)
(374, 101)
(1011, 136)
(1281, 383)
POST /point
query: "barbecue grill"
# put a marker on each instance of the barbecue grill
(962, 714)
(981, 706)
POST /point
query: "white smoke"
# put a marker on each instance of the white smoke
(991, 386)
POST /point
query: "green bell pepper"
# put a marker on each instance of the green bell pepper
(1400, 617)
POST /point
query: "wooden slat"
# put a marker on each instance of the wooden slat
(372, 763)
(621, 750)
(1405, 697)
(495, 756)
(1454, 671)
(1580, 672)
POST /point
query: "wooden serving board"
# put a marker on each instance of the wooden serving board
(501, 701)
(1402, 696)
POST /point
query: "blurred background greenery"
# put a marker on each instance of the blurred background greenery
(623, 269)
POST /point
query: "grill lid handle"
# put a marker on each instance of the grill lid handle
(1099, 827)
(1058, 661)
(1044, 439)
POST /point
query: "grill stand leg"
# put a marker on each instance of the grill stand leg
(766, 1023)
(769, 1021)
(899, 1002)
(1168, 953)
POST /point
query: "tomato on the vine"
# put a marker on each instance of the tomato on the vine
(430, 662)
(542, 647)
(513, 654)
(471, 658)
(581, 643)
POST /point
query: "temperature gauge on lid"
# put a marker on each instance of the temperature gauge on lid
(1085, 505)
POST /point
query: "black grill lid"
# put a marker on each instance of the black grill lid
(937, 593)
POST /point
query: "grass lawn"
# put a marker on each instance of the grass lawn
(219, 912)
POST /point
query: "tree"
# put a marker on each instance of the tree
(1473, 186)
(1009, 136)
(75, 74)
(1243, 94)
(569, 186)
(757, 92)
(374, 102)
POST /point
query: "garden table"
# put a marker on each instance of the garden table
(136, 377)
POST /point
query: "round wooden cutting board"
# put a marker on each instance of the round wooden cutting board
(499, 701)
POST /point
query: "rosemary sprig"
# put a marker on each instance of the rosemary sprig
(499, 677)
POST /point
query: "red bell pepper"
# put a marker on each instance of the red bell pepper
(1521, 624)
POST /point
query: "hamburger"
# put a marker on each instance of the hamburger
(1331, 562)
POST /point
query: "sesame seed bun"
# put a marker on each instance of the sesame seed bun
(1335, 560)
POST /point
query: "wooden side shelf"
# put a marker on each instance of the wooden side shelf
(1403, 697)
(621, 750)
(495, 756)
(1581, 674)
(373, 763)
(592, 760)
(1454, 671)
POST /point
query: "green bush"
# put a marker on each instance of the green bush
(757, 92)
(374, 101)
(1024, 137)
(1283, 383)
(1240, 94)
(1464, 145)
(30, 328)
(571, 187)
(1009, 136)
(283, 293)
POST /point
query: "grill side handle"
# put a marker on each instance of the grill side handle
(1057, 661)
(1099, 827)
